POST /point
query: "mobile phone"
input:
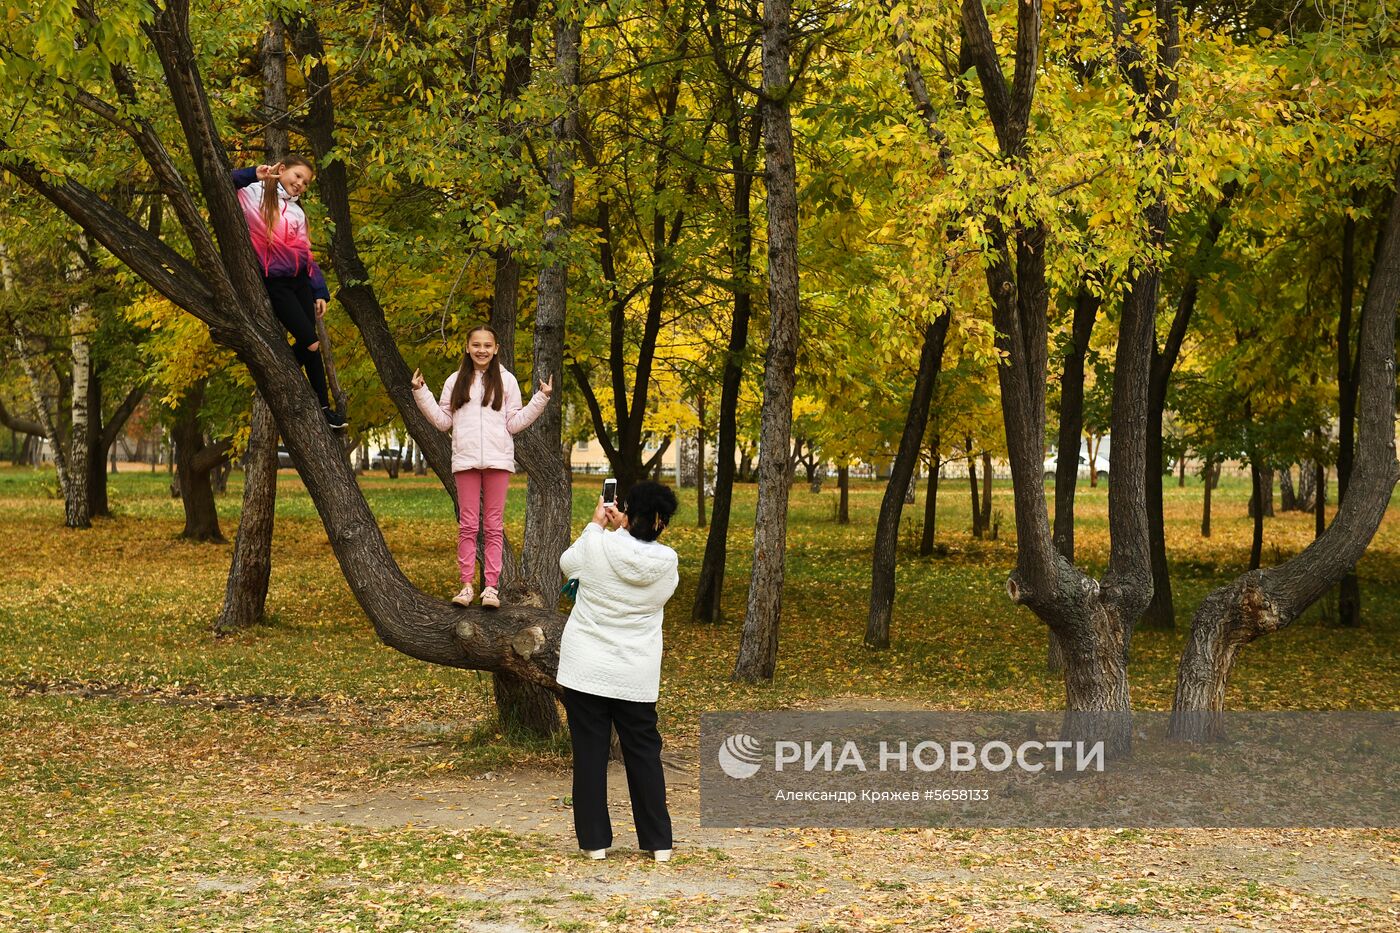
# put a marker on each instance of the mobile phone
(609, 491)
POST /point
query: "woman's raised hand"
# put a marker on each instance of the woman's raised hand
(266, 172)
(417, 381)
(600, 514)
(547, 386)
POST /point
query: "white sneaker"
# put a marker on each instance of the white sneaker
(662, 855)
(464, 598)
(490, 599)
(596, 854)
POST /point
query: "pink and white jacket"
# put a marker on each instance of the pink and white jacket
(482, 437)
(287, 252)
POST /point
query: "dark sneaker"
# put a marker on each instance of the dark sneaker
(334, 418)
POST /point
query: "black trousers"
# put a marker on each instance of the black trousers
(591, 721)
(295, 307)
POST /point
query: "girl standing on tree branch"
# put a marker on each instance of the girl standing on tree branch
(480, 405)
(268, 195)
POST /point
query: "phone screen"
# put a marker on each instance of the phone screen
(609, 491)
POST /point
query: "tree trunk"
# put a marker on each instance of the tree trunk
(1349, 590)
(82, 320)
(758, 646)
(1266, 494)
(1288, 500)
(709, 587)
(1181, 472)
(1071, 429)
(97, 462)
(1319, 499)
(1208, 479)
(843, 484)
(1256, 510)
(1261, 602)
(700, 466)
(930, 502)
(1161, 612)
(882, 573)
(245, 594)
(250, 573)
(523, 704)
(1307, 486)
(972, 486)
(986, 491)
(195, 462)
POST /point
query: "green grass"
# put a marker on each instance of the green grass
(129, 809)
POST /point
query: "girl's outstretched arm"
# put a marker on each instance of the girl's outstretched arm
(243, 177)
(517, 418)
(438, 411)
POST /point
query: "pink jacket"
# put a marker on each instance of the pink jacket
(481, 435)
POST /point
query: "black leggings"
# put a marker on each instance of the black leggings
(591, 721)
(295, 307)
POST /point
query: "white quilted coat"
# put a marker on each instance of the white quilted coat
(611, 645)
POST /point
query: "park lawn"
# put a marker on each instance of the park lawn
(142, 758)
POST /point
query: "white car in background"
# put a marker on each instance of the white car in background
(1101, 461)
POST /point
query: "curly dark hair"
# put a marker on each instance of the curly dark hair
(649, 507)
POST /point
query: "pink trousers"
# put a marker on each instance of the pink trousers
(474, 486)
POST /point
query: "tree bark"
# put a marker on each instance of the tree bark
(930, 501)
(1261, 602)
(245, 593)
(522, 702)
(195, 461)
(250, 573)
(1256, 510)
(1208, 477)
(82, 323)
(758, 646)
(882, 573)
(986, 491)
(1288, 499)
(1071, 428)
(709, 586)
(700, 464)
(843, 483)
(972, 487)
(1161, 613)
(1349, 590)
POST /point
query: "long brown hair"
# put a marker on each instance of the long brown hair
(270, 209)
(495, 390)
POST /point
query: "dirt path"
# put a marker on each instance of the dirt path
(1021, 880)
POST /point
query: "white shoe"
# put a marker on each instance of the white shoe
(595, 854)
(490, 599)
(662, 855)
(464, 598)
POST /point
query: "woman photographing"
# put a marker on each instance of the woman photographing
(610, 663)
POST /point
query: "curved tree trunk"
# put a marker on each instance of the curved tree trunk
(882, 577)
(1265, 601)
